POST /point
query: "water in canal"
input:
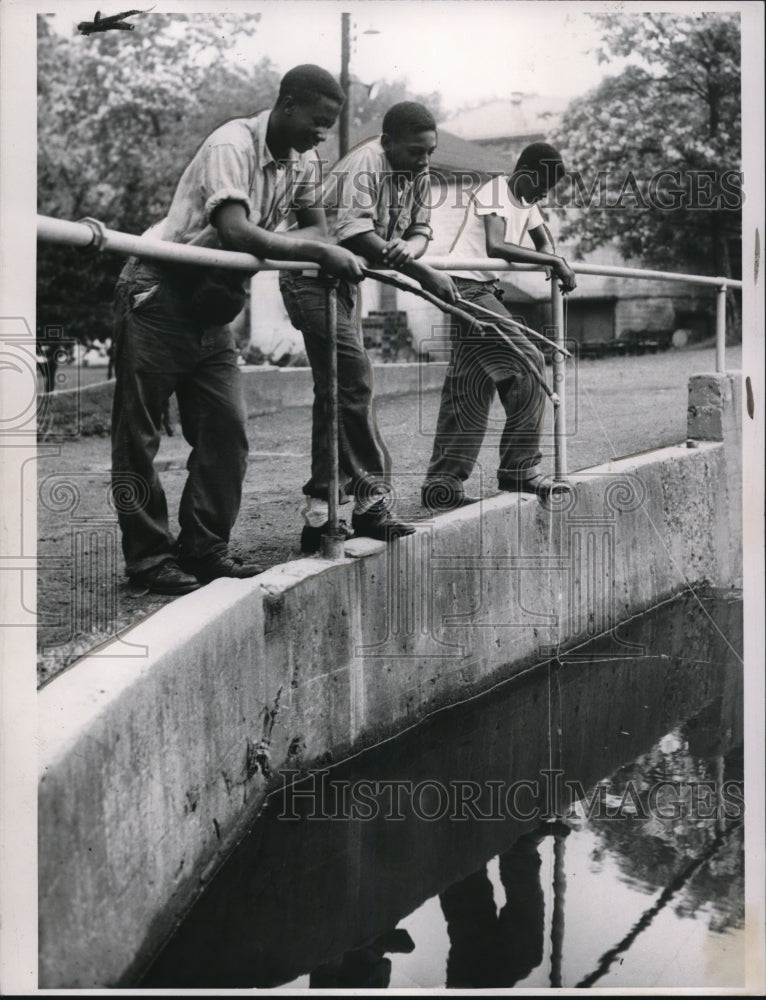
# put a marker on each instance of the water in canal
(581, 825)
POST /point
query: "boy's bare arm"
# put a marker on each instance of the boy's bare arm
(374, 248)
(236, 232)
(494, 231)
(312, 225)
(541, 239)
(401, 250)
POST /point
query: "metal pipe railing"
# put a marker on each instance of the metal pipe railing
(560, 463)
(91, 234)
(720, 329)
(333, 540)
(496, 264)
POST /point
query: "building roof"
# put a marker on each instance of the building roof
(454, 154)
(519, 116)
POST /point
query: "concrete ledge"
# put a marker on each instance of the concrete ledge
(88, 411)
(152, 765)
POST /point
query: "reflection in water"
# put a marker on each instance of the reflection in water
(678, 882)
(497, 949)
(639, 756)
(363, 967)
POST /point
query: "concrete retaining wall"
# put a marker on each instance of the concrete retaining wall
(88, 410)
(156, 755)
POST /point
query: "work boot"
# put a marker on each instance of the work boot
(377, 522)
(439, 496)
(216, 565)
(541, 485)
(167, 578)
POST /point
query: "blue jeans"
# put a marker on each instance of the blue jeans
(362, 456)
(479, 367)
(159, 350)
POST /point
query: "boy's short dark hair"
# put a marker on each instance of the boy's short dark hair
(541, 156)
(406, 118)
(307, 82)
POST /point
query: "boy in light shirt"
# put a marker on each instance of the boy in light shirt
(498, 217)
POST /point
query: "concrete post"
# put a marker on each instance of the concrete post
(715, 414)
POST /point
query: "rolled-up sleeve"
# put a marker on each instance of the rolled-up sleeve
(227, 178)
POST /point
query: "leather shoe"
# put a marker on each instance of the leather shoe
(543, 486)
(376, 522)
(311, 537)
(215, 566)
(167, 578)
(439, 497)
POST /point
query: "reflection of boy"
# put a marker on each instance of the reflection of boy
(491, 949)
(498, 217)
(172, 333)
(377, 203)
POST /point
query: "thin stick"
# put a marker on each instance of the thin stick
(508, 321)
(404, 286)
(472, 322)
(520, 356)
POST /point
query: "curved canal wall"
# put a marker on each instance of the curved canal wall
(157, 750)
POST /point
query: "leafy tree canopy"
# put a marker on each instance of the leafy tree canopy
(119, 115)
(655, 150)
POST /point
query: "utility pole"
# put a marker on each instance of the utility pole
(345, 82)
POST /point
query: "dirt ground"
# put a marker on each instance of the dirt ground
(615, 407)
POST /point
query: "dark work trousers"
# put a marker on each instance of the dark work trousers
(160, 350)
(479, 367)
(363, 458)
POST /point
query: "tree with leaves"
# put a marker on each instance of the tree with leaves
(119, 116)
(657, 147)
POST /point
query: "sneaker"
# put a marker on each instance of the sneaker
(215, 566)
(376, 522)
(167, 578)
(439, 496)
(311, 537)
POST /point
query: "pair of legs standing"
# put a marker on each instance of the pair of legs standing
(363, 458)
(161, 350)
(481, 365)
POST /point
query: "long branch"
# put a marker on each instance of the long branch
(472, 322)
(513, 324)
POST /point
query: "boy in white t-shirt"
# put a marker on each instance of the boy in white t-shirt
(497, 218)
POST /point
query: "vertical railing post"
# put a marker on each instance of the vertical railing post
(332, 541)
(720, 329)
(557, 917)
(559, 383)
